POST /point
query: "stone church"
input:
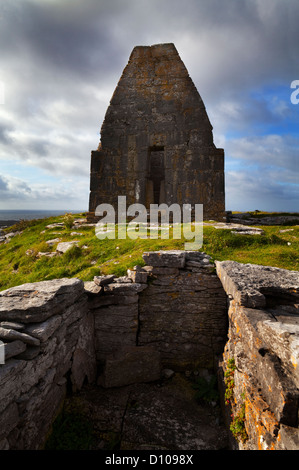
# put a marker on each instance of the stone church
(156, 139)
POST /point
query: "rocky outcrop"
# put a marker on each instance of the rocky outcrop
(182, 313)
(173, 310)
(260, 362)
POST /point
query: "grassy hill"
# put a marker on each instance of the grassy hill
(21, 260)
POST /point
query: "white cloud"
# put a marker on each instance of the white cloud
(251, 190)
(16, 193)
(270, 151)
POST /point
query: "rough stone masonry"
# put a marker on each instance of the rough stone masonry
(61, 335)
(156, 140)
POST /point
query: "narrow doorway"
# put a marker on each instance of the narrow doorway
(156, 175)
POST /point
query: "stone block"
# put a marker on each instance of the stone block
(63, 247)
(125, 288)
(288, 438)
(14, 349)
(9, 418)
(13, 335)
(36, 302)
(254, 286)
(169, 259)
(138, 276)
(92, 289)
(132, 365)
(163, 271)
(43, 331)
(103, 280)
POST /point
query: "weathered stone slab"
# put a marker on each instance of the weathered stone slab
(158, 270)
(10, 373)
(132, 365)
(31, 353)
(129, 288)
(38, 416)
(115, 327)
(138, 276)
(63, 247)
(283, 339)
(13, 349)
(288, 438)
(196, 256)
(8, 420)
(53, 241)
(96, 302)
(170, 259)
(38, 301)
(12, 335)
(44, 330)
(92, 288)
(84, 356)
(12, 325)
(250, 284)
(169, 418)
(103, 280)
(58, 224)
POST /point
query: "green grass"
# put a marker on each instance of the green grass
(20, 264)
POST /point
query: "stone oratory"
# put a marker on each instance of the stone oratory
(156, 139)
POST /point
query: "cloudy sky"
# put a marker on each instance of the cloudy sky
(61, 61)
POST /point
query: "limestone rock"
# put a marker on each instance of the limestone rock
(103, 280)
(38, 301)
(13, 348)
(132, 365)
(58, 224)
(169, 418)
(63, 247)
(254, 285)
(12, 335)
(91, 288)
(127, 288)
(12, 325)
(170, 259)
(48, 254)
(44, 330)
(8, 419)
(139, 276)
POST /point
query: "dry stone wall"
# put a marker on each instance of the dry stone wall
(260, 368)
(60, 334)
(171, 313)
(47, 333)
(183, 311)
